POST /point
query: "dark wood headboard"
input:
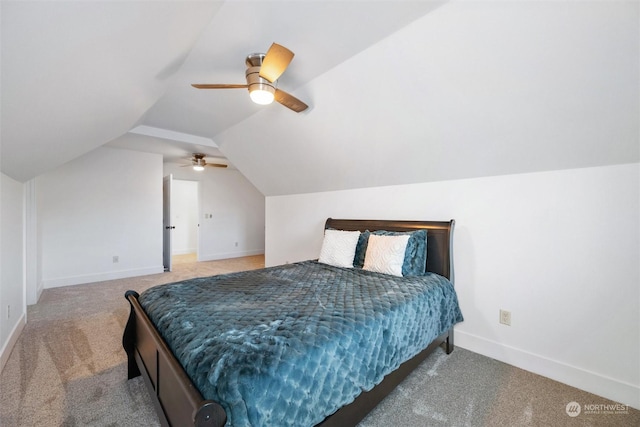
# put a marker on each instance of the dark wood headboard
(439, 238)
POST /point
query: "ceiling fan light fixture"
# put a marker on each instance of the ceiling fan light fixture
(198, 162)
(262, 94)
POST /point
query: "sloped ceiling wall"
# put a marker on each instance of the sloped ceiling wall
(400, 92)
(76, 75)
(469, 90)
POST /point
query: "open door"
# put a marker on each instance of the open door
(167, 227)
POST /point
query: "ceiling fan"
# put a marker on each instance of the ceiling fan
(263, 71)
(198, 163)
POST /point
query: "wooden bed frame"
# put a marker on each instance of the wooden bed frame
(177, 401)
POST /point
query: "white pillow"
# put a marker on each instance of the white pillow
(385, 254)
(339, 247)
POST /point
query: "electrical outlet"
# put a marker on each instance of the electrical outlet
(116, 259)
(236, 244)
(9, 311)
(505, 317)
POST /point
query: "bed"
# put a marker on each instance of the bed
(279, 370)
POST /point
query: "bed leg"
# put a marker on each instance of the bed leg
(129, 339)
(448, 344)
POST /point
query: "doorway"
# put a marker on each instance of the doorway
(184, 221)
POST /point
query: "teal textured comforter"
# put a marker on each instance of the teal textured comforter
(289, 345)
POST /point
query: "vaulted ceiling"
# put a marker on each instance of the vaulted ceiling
(399, 91)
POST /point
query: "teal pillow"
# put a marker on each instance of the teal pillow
(361, 249)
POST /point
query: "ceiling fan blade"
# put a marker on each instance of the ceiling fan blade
(275, 62)
(218, 86)
(290, 101)
(217, 165)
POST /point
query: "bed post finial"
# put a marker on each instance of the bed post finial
(210, 414)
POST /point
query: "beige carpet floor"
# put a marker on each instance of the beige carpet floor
(68, 369)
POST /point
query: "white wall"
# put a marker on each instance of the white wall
(232, 212)
(11, 265)
(106, 203)
(558, 249)
(184, 216)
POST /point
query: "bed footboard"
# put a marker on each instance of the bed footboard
(176, 400)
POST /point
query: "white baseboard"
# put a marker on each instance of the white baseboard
(11, 342)
(100, 277)
(227, 255)
(609, 388)
(38, 294)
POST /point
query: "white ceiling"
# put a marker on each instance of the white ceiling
(399, 91)
(77, 75)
